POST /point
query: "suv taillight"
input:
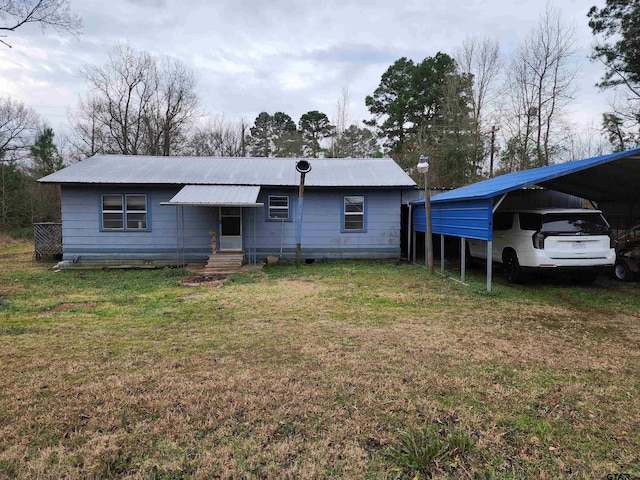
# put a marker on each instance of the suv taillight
(538, 240)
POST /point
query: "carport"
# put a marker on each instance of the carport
(610, 182)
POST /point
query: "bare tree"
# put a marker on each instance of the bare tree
(123, 89)
(90, 137)
(342, 117)
(540, 86)
(584, 143)
(173, 107)
(45, 13)
(341, 120)
(218, 137)
(480, 58)
(137, 106)
(18, 126)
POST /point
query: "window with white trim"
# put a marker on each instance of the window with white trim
(353, 210)
(124, 212)
(278, 207)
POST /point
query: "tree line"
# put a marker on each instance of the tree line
(27, 153)
(140, 105)
(474, 112)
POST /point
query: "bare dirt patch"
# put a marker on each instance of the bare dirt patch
(207, 280)
(63, 307)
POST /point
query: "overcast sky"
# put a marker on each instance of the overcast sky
(278, 55)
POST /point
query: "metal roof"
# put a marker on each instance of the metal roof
(468, 211)
(613, 177)
(138, 169)
(217, 195)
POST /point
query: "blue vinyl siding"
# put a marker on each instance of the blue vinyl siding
(322, 235)
(322, 227)
(82, 237)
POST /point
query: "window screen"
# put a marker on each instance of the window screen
(278, 207)
(124, 212)
(354, 212)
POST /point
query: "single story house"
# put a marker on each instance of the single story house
(120, 210)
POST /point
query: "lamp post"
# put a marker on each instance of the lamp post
(303, 167)
(423, 167)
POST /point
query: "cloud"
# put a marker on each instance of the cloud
(285, 55)
(355, 54)
(149, 3)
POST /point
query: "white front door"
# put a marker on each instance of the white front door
(230, 229)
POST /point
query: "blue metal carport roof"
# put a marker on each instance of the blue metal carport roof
(468, 211)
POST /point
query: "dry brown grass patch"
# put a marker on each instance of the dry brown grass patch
(70, 306)
(311, 375)
(7, 241)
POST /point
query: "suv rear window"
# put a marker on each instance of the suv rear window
(571, 223)
(530, 221)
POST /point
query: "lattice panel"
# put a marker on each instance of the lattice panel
(48, 239)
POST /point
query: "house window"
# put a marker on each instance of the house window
(278, 207)
(353, 213)
(124, 212)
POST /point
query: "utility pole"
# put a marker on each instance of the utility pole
(493, 141)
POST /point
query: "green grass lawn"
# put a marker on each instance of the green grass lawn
(332, 370)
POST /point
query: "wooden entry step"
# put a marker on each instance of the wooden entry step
(225, 261)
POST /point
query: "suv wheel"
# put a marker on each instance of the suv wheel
(511, 267)
(622, 272)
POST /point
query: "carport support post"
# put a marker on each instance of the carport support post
(413, 245)
(463, 258)
(489, 264)
(442, 254)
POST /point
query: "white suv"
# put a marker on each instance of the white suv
(552, 240)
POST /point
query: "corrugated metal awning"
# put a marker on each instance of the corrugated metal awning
(217, 196)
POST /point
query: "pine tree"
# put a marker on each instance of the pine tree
(45, 158)
(315, 127)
